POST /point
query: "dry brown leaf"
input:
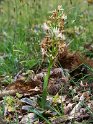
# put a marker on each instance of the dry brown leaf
(73, 60)
(68, 108)
(90, 1)
(59, 120)
(56, 84)
(57, 72)
(7, 92)
(21, 85)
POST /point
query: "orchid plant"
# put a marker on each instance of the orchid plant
(53, 45)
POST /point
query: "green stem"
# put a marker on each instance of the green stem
(45, 85)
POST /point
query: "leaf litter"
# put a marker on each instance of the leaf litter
(75, 97)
